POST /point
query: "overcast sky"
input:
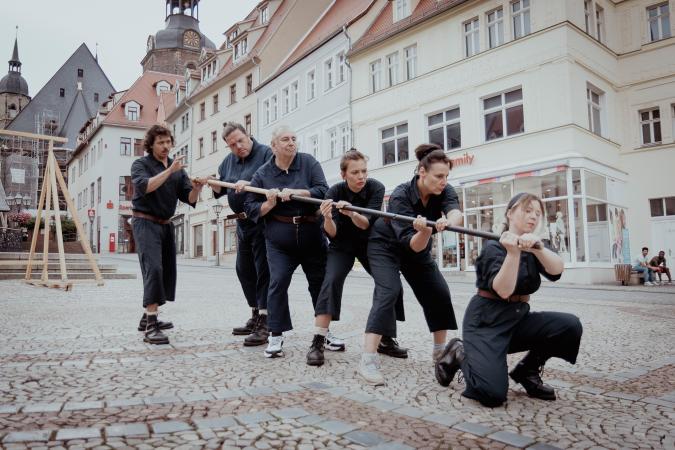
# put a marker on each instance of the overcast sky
(51, 30)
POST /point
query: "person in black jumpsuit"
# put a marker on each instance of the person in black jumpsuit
(246, 157)
(397, 247)
(159, 182)
(292, 231)
(498, 319)
(348, 234)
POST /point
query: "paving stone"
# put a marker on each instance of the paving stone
(443, 419)
(365, 438)
(288, 388)
(513, 439)
(208, 355)
(360, 397)
(543, 447)
(473, 428)
(104, 361)
(337, 391)
(392, 446)
(255, 417)
(172, 426)
(590, 389)
(384, 405)
(42, 407)
(217, 422)
(132, 359)
(127, 429)
(559, 383)
(229, 393)
(124, 402)
(410, 411)
(336, 426)
(259, 391)
(312, 419)
(67, 434)
(622, 395)
(161, 399)
(74, 406)
(289, 413)
(316, 385)
(27, 436)
(197, 397)
(9, 409)
(658, 401)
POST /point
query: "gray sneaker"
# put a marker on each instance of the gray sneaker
(371, 373)
(274, 347)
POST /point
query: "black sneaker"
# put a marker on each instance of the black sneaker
(388, 346)
(315, 354)
(153, 335)
(260, 332)
(143, 324)
(248, 328)
(449, 362)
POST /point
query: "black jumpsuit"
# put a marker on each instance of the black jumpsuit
(251, 265)
(155, 241)
(494, 327)
(350, 243)
(290, 244)
(390, 255)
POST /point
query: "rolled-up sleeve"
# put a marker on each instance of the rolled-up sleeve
(404, 231)
(184, 189)
(318, 185)
(332, 194)
(450, 199)
(253, 202)
(140, 176)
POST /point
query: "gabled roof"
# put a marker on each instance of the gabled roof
(144, 93)
(75, 104)
(340, 14)
(384, 27)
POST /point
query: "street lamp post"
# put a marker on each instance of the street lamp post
(92, 214)
(217, 208)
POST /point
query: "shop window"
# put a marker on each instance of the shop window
(596, 185)
(394, 143)
(503, 115)
(547, 186)
(598, 231)
(554, 227)
(579, 214)
(444, 129)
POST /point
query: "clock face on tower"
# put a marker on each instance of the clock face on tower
(191, 39)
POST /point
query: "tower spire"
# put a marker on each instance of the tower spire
(15, 63)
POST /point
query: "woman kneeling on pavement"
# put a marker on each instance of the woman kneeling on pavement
(498, 319)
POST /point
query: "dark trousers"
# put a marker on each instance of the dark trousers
(290, 246)
(387, 262)
(493, 328)
(157, 254)
(252, 269)
(339, 263)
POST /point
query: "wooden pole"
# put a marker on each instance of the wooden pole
(45, 241)
(36, 230)
(57, 212)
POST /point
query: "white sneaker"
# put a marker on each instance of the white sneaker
(334, 343)
(274, 347)
(648, 283)
(371, 373)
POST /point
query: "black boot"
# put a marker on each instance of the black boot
(315, 354)
(528, 373)
(143, 324)
(260, 332)
(388, 346)
(248, 328)
(153, 335)
(449, 362)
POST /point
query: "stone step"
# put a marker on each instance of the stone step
(55, 276)
(53, 265)
(11, 256)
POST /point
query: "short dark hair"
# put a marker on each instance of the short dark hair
(351, 155)
(645, 248)
(151, 135)
(230, 127)
(428, 154)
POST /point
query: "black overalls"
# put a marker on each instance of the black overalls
(494, 327)
(350, 243)
(155, 241)
(251, 265)
(390, 255)
(290, 244)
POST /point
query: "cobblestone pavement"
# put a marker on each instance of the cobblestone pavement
(74, 373)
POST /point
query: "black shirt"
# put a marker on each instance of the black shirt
(304, 173)
(162, 201)
(490, 262)
(233, 169)
(348, 236)
(406, 201)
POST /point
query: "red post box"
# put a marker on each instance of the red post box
(111, 243)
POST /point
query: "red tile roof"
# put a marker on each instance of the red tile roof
(383, 27)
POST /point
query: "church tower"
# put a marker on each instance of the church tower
(13, 90)
(180, 43)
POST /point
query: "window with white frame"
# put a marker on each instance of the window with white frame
(410, 62)
(392, 69)
(273, 108)
(660, 207)
(471, 37)
(503, 114)
(132, 111)
(345, 138)
(333, 142)
(295, 95)
(444, 129)
(520, 13)
(495, 27)
(314, 146)
(264, 15)
(266, 112)
(401, 9)
(240, 49)
(125, 146)
(394, 143)
(311, 85)
(588, 16)
(285, 100)
(375, 76)
(658, 17)
(341, 68)
(599, 23)
(650, 126)
(594, 106)
(214, 141)
(328, 75)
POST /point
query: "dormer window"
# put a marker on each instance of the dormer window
(264, 15)
(209, 70)
(132, 111)
(240, 49)
(401, 9)
(162, 86)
